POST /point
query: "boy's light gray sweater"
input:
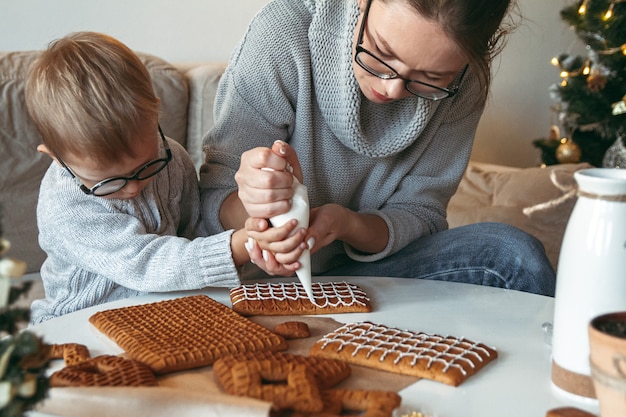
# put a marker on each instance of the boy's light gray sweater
(101, 250)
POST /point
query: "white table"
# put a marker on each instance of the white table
(517, 384)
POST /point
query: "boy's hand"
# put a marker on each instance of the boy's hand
(272, 249)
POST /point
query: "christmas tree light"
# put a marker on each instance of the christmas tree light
(583, 7)
(609, 13)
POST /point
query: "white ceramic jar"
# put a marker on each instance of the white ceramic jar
(591, 275)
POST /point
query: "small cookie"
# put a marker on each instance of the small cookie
(71, 353)
(365, 403)
(568, 412)
(289, 298)
(104, 370)
(446, 359)
(293, 330)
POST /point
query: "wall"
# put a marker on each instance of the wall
(200, 30)
(519, 108)
(181, 30)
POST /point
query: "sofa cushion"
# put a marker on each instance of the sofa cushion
(170, 85)
(501, 194)
(203, 82)
(23, 167)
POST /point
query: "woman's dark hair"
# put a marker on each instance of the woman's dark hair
(478, 27)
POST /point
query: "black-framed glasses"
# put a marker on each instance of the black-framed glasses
(114, 184)
(375, 66)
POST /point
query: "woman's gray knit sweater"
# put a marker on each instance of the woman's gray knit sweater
(101, 249)
(291, 78)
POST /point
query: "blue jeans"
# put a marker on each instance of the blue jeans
(492, 254)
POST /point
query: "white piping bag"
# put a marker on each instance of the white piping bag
(299, 211)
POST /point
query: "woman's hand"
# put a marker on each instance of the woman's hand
(265, 179)
(366, 233)
(325, 224)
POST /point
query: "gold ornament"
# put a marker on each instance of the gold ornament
(568, 152)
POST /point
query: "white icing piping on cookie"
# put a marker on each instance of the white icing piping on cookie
(405, 344)
(344, 293)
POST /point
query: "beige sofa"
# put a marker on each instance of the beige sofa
(487, 193)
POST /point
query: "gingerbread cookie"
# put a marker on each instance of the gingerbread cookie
(365, 403)
(293, 330)
(71, 353)
(286, 385)
(447, 359)
(275, 299)
(183, 333)
(327, 372)
(300, 384)
(105, 370)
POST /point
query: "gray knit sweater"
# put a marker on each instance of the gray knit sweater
(101, 250)
(291, 78)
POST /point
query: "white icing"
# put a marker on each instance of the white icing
(372, 338)
(329, 294)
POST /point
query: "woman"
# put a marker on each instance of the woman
(378, 102)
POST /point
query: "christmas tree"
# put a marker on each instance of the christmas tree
(23, 355)
(590, 97)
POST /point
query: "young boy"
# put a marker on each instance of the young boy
(118, 210)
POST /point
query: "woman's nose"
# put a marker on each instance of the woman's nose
(395, 89)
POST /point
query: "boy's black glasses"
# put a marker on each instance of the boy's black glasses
(375, 66)
(113, 185)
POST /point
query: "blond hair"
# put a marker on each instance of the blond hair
(89, 95)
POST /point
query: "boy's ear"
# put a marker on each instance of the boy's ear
(44, 149)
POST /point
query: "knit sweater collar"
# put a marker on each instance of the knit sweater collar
(371, 129)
